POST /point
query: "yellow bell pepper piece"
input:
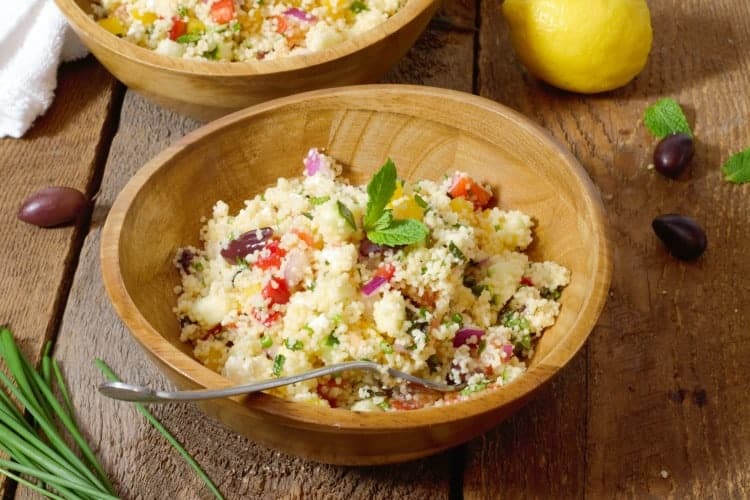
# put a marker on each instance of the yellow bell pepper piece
(195, 26)
(461, 206)
(407, 208)
(146, 18)
(113, 25)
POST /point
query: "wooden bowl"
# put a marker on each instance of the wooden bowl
(427, 132)
(209, 89)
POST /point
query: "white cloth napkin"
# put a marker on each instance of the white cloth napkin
(34, 39)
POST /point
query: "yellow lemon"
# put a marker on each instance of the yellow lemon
(584, 46)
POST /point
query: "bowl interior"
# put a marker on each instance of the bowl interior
(427, 132)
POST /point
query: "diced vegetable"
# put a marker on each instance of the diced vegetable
(113, 25)
(273, 259)
(195, 26)
(179, 28)
(464, 186)
(277, 291)
(386, 271)
(281, 24)
(371, 286)
(470, 336)
(300, 15)
(222, 11)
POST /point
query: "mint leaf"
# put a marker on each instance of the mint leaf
(379, 192)
(358, 6)
(384, 221)
(399, 232)
(737, 167)
(421, 201)
(665, 117)
(346, 214)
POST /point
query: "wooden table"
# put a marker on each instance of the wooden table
(657, 402)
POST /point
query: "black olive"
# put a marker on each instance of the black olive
(673, 154)
(683, 236)
(53, 206)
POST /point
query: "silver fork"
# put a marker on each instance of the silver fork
(142, 394)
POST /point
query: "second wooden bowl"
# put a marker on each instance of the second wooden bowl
(208, 89)
(427, 132)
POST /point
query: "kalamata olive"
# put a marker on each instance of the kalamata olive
(367, 248)
(186, 258)
(673, 154)
(246, 243)
(52, 206)
(682, 236)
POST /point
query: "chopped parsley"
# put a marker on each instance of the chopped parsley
(319, 200)
(358, 6)
(457, 253)
(471, 389)
(189, 38)
(296, 345)
(278, 364)
(331, 340)
(386, 347)
(421, 201)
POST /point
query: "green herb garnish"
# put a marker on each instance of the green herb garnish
(346, 214)
(331, 340)
(386, 347)
(211, 54)
(112, 377)
(379, 224)
(358, 6)
(666, 117)
(278, 365)
(236, 27)
(319, 200)
(37, 448)
(457, 318)
(189, 38)
(266, 341)
(295, 345)
(308, 215)
(457, 253)
(421, 201)
(471, 389)
(182, 11)
(737, 167)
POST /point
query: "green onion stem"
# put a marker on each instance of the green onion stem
(111, 376)
(50, 431)
(63, 389)
(30, 485)
(55, 480)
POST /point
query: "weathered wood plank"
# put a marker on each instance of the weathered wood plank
(138, 459)
(659, 386)
(64, 147)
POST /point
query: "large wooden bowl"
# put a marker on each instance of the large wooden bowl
(209, 89)
(427, 132)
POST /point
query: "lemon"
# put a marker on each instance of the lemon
(585, 46)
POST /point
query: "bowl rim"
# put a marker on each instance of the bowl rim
(82, 22)
(305, 415)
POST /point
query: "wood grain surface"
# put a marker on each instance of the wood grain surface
(661, 385)
(136, 456)
(660, 390)
(65, 147)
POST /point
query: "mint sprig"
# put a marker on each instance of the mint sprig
(666, 117)
(737, 167)
(379, 224)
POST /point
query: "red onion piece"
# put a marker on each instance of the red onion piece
(467, 336)
(294, 269)
(246, 243)
(300, 14)
(315, 163)
(508, 351)
(372, 285)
